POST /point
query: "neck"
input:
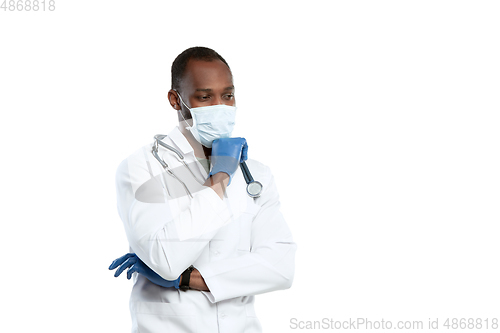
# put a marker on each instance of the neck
(200, 151)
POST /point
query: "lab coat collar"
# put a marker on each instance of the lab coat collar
(180, 141)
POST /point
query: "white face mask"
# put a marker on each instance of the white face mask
(211, 122)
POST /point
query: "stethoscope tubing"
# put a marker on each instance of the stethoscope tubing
(246, 172)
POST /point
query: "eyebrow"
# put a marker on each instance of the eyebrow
(210, 90)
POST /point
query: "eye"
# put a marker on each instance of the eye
(229, 96)
(203, 98)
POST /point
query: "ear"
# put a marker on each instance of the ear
(173, 99)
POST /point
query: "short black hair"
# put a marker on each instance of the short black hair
(197, 53)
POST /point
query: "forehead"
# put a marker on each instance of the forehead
(206, 75)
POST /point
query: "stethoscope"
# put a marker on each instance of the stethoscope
(254, 188)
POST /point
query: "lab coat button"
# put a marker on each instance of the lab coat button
(222, 315)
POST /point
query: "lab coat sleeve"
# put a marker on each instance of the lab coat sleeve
(268, 266)
(167, 240)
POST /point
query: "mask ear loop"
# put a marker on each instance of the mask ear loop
(178, 94)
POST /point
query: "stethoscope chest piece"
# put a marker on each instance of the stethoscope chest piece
(254, 188)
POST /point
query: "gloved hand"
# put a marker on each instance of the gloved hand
(227, 154)
(134, 264)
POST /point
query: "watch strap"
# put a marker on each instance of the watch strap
(186, 276)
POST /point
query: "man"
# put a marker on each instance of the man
(201, 247)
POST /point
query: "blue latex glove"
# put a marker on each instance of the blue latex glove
(227, 154)
(134, 264)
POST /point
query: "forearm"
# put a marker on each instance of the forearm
(159, 226)
(250, 274)
(218, 183)
(157, 237)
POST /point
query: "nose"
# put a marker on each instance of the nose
(218, 100)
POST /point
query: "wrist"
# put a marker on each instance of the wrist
(197, 281)
(185, 278)
(221, 177)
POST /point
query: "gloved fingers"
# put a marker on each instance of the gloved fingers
(132, 270)
(119, 261)
(244, 151)
(128, 263)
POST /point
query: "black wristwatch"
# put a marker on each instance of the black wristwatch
(186, 275)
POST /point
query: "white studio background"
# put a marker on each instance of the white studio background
(379, 119)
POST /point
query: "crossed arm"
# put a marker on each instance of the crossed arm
(158, 233)
(132, 263)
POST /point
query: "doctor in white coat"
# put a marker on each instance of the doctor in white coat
(192, 224)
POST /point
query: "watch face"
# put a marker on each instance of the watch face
(254, 189)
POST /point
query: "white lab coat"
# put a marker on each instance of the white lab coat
(241, 246)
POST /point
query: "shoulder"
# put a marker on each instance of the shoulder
(258, 166)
